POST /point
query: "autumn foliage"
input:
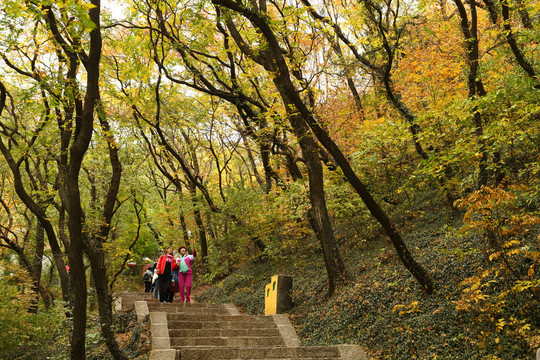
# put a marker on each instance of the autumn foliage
(385, 153)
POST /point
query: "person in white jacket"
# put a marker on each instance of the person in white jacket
(147, 277)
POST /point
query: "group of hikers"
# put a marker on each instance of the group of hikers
(170, 275)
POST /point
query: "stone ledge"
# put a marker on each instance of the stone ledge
(163, 354)
(118, 304)
(159, 330)
(141, 309)
(281, 319)
(158, 318)
(286, 330)
(232, 309)
(161, 343)
(351, 352)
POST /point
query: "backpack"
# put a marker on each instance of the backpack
(146, 276)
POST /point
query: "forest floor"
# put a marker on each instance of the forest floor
(382, 307)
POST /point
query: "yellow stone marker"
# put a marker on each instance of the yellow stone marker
(277, 295)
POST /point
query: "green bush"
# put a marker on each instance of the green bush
(26, 335)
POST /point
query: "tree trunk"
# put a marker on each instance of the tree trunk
(193, 193)
(288, 91)
(96, 255)
(77, 268)
(350, 81)
(199, 222)
(252, 160)
(182, 217)
(211, 228)
(37, 210)
(37, 268)
(310, 151)
(95, 250)
(319, 218)
(32, 269)
(476, 88)
(58, 255)
(524, 14)
(510, 38)
(374, 208)
(83, 135)
(269, 173)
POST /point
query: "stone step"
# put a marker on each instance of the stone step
(308, 352)
(198, 331)
(136, 293)
(179, 342)
(133, 293)
(190, 305)
(242, 332)
(219, 318)
(247, 324)
(129, 298)
(188, 308)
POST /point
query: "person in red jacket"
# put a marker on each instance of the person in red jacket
(164, 268)
(185, 272)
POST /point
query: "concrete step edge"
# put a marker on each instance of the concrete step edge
(202, 333)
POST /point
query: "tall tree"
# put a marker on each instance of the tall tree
(276, 64)
(469, 27)
(74, 110)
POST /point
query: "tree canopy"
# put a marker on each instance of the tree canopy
(246, 129)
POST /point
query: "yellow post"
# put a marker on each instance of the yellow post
(277, 295)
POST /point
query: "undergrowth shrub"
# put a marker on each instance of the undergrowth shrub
(245, 288)
(277, 220)
(504, 294)
(26, 335)
(132, 335)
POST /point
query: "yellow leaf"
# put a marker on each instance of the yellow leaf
(511, 243)
(513, 252)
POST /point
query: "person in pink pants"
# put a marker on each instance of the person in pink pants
(183, 264)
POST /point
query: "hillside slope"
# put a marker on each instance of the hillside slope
(383, 309)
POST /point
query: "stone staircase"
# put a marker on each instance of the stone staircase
(200, 331)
